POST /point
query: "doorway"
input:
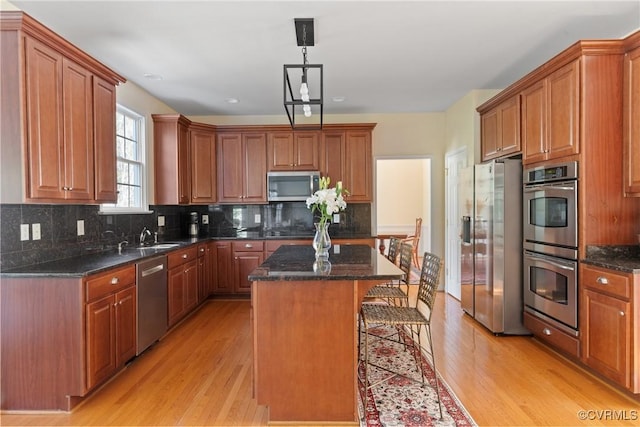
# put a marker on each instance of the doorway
(403, 193)
(454, 162)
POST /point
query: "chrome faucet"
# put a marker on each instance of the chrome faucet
(121, 244)
(143, 235)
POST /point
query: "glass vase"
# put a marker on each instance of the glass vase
(321, 240)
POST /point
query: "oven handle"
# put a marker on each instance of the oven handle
(534, 188)
(548, 260)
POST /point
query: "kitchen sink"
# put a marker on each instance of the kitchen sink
(164, 245)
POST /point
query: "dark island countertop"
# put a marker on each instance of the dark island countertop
(625, 258)
(346, 262)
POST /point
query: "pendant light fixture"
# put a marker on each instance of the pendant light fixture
(306, 99)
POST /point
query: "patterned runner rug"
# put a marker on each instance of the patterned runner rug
(400, 401)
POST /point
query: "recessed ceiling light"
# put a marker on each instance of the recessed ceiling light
(152, 76)
(338, 98)
(232, 100)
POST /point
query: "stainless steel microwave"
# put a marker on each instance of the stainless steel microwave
(292, 186)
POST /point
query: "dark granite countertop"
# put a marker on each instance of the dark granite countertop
(85, 265)
(621, 258)
(346, 262)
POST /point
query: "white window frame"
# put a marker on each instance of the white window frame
(142, 144)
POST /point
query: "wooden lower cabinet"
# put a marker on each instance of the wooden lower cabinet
(247, 256)
(610, 324)
(111, 334)
(182, 282)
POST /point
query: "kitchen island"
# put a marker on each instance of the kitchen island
(304, 320)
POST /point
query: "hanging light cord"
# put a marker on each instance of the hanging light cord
(304, 89)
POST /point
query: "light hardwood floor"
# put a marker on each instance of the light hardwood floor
(200, 374)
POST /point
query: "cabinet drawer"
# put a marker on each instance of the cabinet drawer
(100, 285)
(552, 335)
(248, 246)
(202, 249)
(606, 281)
(180, 256)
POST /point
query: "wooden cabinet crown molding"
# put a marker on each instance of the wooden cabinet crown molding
(572, 53)
(632, 41)
(15, 20)
(287, 128)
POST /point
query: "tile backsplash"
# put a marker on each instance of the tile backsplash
(59, 226)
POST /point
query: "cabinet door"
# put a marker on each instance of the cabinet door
(358, 165)
(332, 153)
(222, 268)
(184, 165)
(176, 293)
(243, 264)
(306, 151)
(230, 167)
(606, 335)
(104, 137)
(563, 103)
(101, 354)
(78, 131)
(489, 137)
(45, 151)
(255, 168)
(125, 325)
(203, 165)
(632, 122)
(280, 151)
(533, 123)
(509, 126)
(190, 285)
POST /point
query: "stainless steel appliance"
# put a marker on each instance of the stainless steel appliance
(551, 289)
(292, 186)
(551, 244)
(550, 207)
(152, 301)
(491, 245)
(193, 226)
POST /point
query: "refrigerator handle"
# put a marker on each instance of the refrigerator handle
(466, 229)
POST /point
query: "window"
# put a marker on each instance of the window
(130, 155)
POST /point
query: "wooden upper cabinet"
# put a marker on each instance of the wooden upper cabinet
(631, 120)
(358, 166)
(551, 116)
(104, 132)
(242, 167)
(54, 118)
(332, 155)
(306, 151)
(172, 160)
(501, 130)
(203, 164)
(347, 156)
(254, 167)
(59, 135)
(293, 151)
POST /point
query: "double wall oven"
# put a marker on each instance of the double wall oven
(550, 234)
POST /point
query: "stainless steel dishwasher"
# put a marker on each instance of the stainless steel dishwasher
(152, 301)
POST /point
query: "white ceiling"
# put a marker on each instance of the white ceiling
(382, 56)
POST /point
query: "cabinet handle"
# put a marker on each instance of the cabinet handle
(546, 331)
(248, 245)
(184, 256)
(622, 314)
(115, 304)
(602, 280)
(70, 188)
(114, 280)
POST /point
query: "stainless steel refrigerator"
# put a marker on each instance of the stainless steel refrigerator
(491, 245)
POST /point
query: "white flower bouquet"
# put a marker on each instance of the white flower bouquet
(327, 201)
